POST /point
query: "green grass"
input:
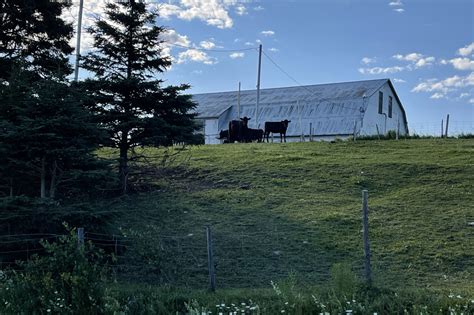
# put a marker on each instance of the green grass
(277, 208)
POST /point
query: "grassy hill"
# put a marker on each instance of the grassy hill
(281, 208)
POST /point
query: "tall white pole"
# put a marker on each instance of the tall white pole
(238, 104)
(78, 42)
(258, 84)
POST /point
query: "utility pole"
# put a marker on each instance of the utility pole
(258, 83)
(238, 104)
(78, 42)
(447, 124)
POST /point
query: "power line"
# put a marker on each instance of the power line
(282, 70)
(211, 50)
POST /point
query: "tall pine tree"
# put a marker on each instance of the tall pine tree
(35, 38)
(129, 101)
(47, 137)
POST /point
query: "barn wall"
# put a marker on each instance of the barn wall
(373, 118)
(211, 131)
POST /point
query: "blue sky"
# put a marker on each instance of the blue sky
(425, 46)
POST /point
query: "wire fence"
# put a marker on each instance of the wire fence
(240, 258)
(438, 128)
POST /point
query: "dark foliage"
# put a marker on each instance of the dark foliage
(48, 139)
(34, 36)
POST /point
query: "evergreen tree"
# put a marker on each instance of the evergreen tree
(129, 102)
(47, 137)
(34, 36)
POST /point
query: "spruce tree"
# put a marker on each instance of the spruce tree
(47, 136)
(129, 101)
(34, 36)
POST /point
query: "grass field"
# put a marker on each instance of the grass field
(281, 208)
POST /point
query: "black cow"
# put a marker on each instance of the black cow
(238, 129)
(277, 127)
(254, 135)
(224, 135)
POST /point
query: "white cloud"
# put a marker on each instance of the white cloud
(399, 80)
(380, 70)
(423, 62)
(464, 95)
(241, 10)
(173, 37)
(249, 44)
(258, 8)
(168, 10)
(212, 12)
(236, 55)
(450, 84)
(471, 101)
(267, 33)
(466, 51)
(258, 41)
(462, 63)
(397, 6)
(437, 95)
(413, 57)
(170, 38)
(196, 56)
(367, 60)
(417, 59)
(273, 49)
(396, 3)
(207, 44)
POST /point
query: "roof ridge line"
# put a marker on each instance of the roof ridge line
(293, 87)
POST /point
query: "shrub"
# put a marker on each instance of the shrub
(344, 282)
(69, 279)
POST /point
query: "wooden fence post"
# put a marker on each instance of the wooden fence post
(398, 128)
(378, 132)
(210, 261)
(442, 128)
(310, 132)
(365, 223)
(354, 131)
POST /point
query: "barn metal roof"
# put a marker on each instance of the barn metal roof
(333, 109)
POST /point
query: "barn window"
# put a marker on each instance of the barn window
(390, 102)
(380, 103)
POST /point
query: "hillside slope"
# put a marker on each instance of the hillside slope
(280, 208)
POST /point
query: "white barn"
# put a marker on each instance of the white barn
(336, 110)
